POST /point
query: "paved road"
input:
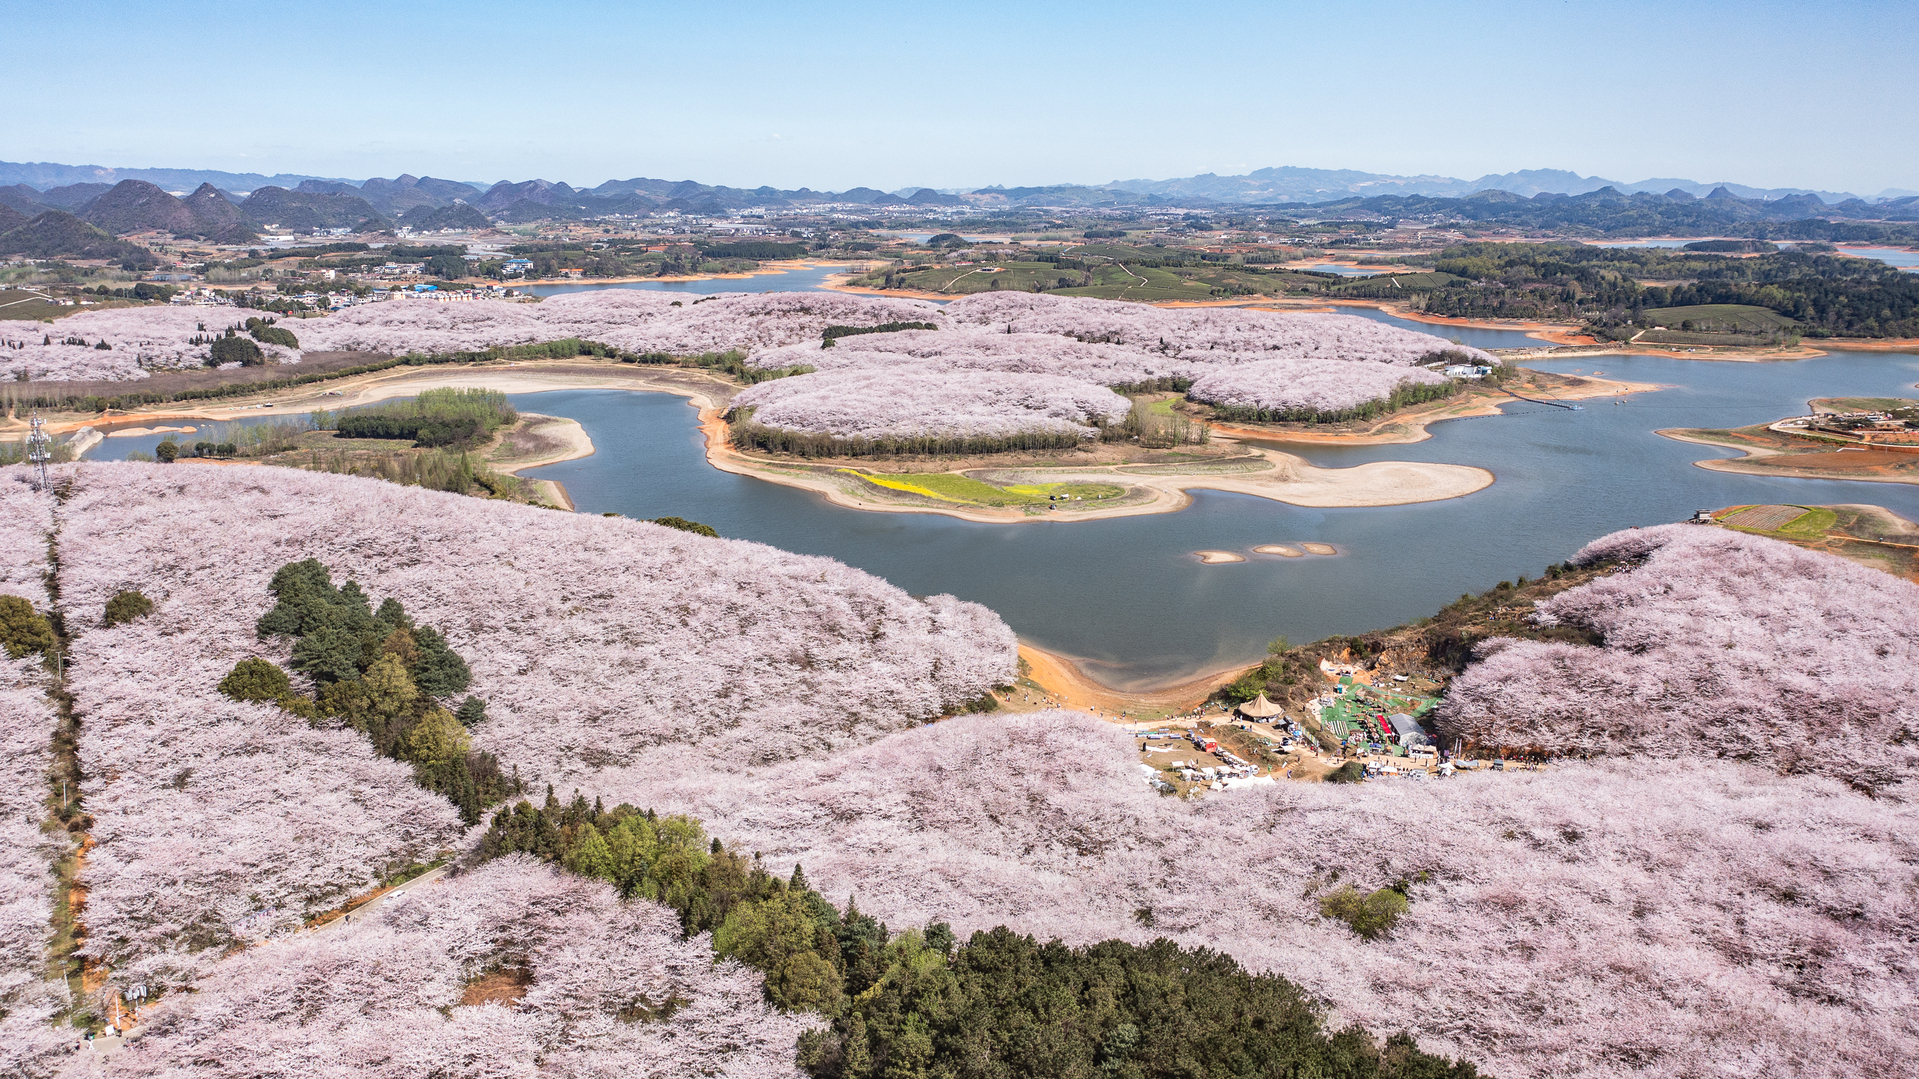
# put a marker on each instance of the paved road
(423, 880)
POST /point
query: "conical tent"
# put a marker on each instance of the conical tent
(1260, 708)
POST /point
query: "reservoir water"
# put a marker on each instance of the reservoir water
(797, 279)
(1128, 598)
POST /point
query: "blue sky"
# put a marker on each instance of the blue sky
(830, 95)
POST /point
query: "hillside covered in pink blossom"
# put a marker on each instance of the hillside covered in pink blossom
(597, 643)
(998, 363)
(382, 997)
(138, 340)
(28, 996)
(1690, 901)
(1716, 644)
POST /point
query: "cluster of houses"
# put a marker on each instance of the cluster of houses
(1870, 427)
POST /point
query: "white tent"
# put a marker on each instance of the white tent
(1260, 708)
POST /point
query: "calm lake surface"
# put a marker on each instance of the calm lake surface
(1127, 596)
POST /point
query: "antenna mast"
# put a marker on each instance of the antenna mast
(39, 453)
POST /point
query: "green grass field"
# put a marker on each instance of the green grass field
(1811, 522)
(1721, 318)
(951, 487)
(1864, 404)
(22, 306)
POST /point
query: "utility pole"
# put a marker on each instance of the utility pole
(38, 453)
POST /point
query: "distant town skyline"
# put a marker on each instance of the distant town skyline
(830, 96)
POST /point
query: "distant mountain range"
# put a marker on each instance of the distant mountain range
(1325, 185)
(68, 186)
(89, 213)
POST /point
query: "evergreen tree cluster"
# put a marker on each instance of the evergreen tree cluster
(923, 1004)
(1004, 1004)
(380, 673)
(815, 957)
(441, 417)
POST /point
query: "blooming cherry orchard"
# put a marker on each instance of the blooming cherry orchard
(969, 348)
(138, 340)
(1306, 364)
(614, 991)
(1305, 386)
(27, 724)
(1192, 332)
(599, 645)
(1619, 918)
(892, 403)
(632, 320)
(1654, 912)
(1716, 644)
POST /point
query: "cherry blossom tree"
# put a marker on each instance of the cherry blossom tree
(1717, 644)
(1642, 917)
(28, 999)
(597, 643)
(138, 340)
(891, 403)
(609, 988)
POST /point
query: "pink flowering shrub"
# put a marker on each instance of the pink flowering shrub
(139, 340)
(891, 403)
(1717, 644)
(614, 991)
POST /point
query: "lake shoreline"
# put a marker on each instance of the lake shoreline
(1064, 683)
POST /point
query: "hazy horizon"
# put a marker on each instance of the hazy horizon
(833, 96)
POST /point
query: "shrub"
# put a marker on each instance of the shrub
(436, 739)
(265, 330)
(23, 630)
(685, 525)
(125, 607)
(167, 452)
(235, 350)
(256, 679)
(1371, 916)
(472, 712)
(1350, 772)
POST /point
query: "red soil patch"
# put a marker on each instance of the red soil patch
(1843, 459)
(505, 987)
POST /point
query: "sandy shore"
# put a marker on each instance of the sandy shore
(1064, 685)
(569, 443)
(1290, 480)
(1410, 425)
(1750, 456)
(1215, 558)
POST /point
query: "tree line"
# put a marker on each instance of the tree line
(923, 1003)
(1827, 295)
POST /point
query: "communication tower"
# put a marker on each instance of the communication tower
(39, 452)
